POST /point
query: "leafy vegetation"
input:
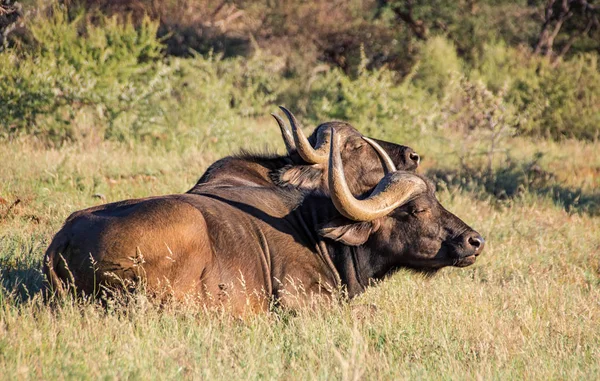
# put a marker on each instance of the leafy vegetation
(77, 72)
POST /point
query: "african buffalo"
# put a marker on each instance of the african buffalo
(305, 167)
(245, 246)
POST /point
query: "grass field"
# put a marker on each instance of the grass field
(529, 308)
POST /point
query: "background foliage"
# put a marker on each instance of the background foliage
(134, 70)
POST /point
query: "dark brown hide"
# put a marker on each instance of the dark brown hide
(420, 235)
(240, 240)
(213, 248)
(246, 246)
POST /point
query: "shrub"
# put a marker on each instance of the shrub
(374, 100)
(109, 78)
(438, 63)
(483, 116)
(210, 95)
(108, 69)
(558, 100)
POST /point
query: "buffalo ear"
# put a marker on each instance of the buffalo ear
(299, 176)
(348, 232)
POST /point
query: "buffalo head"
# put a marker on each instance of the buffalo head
(361, 158)
(401, 221)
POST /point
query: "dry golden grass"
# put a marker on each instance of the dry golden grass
(529, 308)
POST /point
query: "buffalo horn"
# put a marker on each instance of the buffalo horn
(388, 163)
(286, 134)
(303, 146)
(392, 191)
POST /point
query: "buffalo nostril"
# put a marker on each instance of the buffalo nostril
(414, 157)
(476, 242)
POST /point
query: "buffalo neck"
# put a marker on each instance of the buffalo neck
(356, 266)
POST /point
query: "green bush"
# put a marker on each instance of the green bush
(108, 78)
(484, 118)
(107, 69)
(252, 84)
(556, 99)
(376, 101)
(211, 95)
(438, 64)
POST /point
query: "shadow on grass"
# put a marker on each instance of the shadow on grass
(21, 282)
(516, 180)
(20, 264)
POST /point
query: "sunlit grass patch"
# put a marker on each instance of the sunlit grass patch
(528, 308)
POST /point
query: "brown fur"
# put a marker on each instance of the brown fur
(180, 246)
(250, 232)
(244, 247)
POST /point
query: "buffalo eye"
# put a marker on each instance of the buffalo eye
(355, 146)
(402, 213)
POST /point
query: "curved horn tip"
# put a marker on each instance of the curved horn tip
(392, 191)
(284, 109)
(292, 118)
(303, 146)
(279, 121)
(286, 134)
(277, 117)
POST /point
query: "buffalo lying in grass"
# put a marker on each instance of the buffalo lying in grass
(246, 246)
